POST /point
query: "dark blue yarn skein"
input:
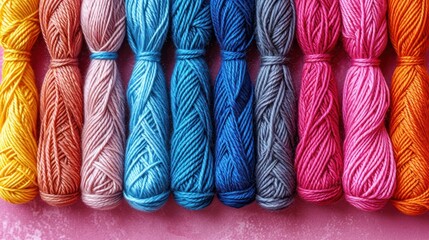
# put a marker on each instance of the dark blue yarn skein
(147, 163)
(235, 162)
(192, 162)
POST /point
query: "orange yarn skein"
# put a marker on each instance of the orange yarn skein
(409, 124)
(61, 106)
(19, 29)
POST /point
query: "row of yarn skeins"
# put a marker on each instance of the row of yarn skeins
(83, 144)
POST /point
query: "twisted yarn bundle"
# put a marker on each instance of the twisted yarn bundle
(369, 166)
(409, 123)
(59, 154)
(192, 162)
(318, 161)
(19, 29)
(147, 163)
(275, 105)
(103, 134)
(235, 163)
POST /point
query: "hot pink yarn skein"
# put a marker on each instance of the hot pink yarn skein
(103, 136)
(318, 160)
(369, 166)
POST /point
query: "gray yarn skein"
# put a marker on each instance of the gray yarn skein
(275, 108)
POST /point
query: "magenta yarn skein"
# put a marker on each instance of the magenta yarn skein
(318, 161)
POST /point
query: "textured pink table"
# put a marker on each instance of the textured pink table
(37, 220)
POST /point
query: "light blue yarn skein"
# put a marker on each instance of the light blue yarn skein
(192, 162)
(235, 161)
(147, 163)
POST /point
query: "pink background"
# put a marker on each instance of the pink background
(36, 220)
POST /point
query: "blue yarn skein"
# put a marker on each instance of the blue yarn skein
(147, 164)
(192, 162)
(235, 162)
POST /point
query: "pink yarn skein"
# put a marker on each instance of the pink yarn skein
(103, 136)
(318, 156)
(369, 166)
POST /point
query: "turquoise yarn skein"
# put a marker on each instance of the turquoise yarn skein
(192, 162)
(147, 162)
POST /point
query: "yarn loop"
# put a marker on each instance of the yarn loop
(59, 63)
(104, 55)
(366, 62)
(12, 55)
(411, 60)
(149, 57)
(273, 60)
(187, 54)
(317, 58)
(233, 56)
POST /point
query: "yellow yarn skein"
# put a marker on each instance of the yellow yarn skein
(19, 29)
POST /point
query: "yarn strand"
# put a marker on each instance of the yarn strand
(103, 134)
(319, 161)
(61, 103)
(409, 122)
(234, 154)
(147, 162)
(275, 105)
(19, 29)
(192, 162)
(369, 166)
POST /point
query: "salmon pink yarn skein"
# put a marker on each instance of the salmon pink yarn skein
(59, 154)
(103, 136)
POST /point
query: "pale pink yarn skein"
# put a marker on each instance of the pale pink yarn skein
(103, 136)
(318, 160)
(369, 166)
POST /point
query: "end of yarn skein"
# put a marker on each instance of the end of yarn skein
(321, 196)
(238, 199)
(193, 200)
(149, 204)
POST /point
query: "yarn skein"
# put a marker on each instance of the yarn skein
(192, 162)
(369, 166)
(275, 105)
(147, 163)
(103, 134)
(319, 161)
(234, 154)
(59, 154)
(409, 122)
(19, 29)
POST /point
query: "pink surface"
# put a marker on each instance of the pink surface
(37, 220)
